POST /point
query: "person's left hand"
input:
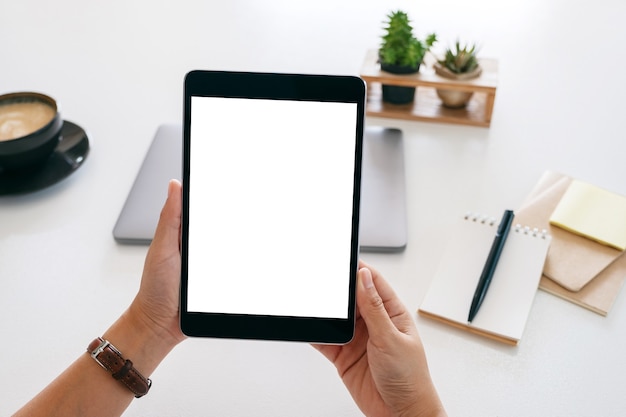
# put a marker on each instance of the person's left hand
(157, 301)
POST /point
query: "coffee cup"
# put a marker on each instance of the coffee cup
(30, 129)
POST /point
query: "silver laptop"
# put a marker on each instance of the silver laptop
(383, 223)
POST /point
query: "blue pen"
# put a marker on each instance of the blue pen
(491, 264)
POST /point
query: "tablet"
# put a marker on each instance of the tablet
(271, 196)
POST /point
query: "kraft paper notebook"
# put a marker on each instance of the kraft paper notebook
(507, 304)
(577, 269)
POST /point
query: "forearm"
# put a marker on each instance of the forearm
(86, 389)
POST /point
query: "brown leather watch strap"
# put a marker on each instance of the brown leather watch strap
(111, 359)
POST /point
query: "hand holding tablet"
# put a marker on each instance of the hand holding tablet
(260, 279)
(271, 181)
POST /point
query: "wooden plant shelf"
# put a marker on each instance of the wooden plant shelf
(427, 105)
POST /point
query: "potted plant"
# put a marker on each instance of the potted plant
(459, 63)
(401, 53)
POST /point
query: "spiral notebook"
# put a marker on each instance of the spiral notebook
(504, 311)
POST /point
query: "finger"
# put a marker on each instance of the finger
(372, 306)
(385, 290)
(394, 306)
(168, 228)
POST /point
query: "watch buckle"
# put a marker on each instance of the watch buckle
(97, 351)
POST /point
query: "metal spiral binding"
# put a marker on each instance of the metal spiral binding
(491, 221)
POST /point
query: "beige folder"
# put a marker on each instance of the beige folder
(577, 269)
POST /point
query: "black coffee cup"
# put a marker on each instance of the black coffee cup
(30, 129)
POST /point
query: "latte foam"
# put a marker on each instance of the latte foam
(21, 118)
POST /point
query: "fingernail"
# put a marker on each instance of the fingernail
(366, 278)
(170, 185)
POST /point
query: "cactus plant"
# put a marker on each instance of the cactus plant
(401, 53)
(399, 46)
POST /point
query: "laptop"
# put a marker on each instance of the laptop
(383, 223)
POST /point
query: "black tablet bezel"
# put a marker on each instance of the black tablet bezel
(329, 88)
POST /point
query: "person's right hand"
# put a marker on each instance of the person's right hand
(384, 367)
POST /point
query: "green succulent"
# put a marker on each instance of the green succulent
(460, 60)
(399, 45)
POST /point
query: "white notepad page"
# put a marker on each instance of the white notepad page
(506, 306)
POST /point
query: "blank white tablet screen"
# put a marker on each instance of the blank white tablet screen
(270, 206)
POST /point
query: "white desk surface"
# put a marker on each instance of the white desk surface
(117, 70)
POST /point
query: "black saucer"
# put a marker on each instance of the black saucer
(68, 156)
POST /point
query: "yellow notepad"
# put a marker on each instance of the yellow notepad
(594, 213)
(504, 312)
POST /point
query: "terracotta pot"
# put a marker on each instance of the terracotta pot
(453, 98)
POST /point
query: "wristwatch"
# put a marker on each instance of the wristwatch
(111, 359)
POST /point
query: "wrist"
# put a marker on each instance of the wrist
(121, 369)
(140, 340)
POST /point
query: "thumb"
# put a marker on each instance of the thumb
(168, 228)
(372, 307)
